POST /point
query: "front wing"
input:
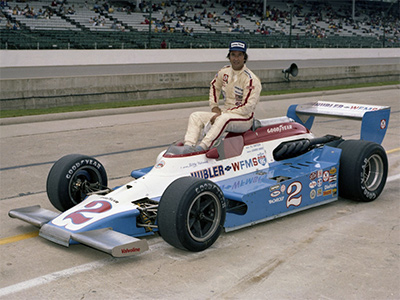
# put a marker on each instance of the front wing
(105, 239)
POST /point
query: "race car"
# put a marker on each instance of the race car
(276, 168)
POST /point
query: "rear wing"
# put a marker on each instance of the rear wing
(374, 119)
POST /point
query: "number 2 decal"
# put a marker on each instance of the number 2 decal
(293, 190)
(78, 218)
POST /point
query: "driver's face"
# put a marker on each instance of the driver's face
(237, 60)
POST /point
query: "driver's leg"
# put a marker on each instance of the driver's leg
(226, 122)
(197, 121)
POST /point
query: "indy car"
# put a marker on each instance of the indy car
(276, 168)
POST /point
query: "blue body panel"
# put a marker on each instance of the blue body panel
(140, 172)
(310, 179)
(374, 125)
(291, 113)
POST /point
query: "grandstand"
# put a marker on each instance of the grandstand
(79, 24)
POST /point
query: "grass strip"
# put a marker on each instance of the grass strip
(121, 104)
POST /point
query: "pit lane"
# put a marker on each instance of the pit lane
(340, 250)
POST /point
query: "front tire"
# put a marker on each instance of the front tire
(363, 170)
(72, 177)
(191, 213)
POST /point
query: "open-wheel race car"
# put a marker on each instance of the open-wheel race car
(274, 169)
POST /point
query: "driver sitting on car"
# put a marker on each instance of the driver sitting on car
(241, 90)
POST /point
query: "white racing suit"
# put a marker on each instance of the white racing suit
(241, 92)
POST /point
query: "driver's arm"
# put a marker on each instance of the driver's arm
(217, 112)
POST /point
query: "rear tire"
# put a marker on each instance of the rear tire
(363, 170)
(191, 213)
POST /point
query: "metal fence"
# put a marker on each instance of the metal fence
(64, 39)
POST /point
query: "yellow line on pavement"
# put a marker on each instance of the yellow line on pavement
(19, 237)
(392, 151)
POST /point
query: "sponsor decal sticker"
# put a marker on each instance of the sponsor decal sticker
(276, 200)
(262, 159)
(238, 45)
(327, 193)
(130, 250)
(273, 188)
(246, 164)
(325, 176)
(238, 100)
(313, 193)
(254, 148)
(346, 106)
(77, 165)
(109, 199)
(211, 172)
(333, 178)
(319, 182)
(330, 186)
(241, 183)
(383, 124)
(324, 104)
(275, 194)
(279, 128)
(190, 166)
(160, 165)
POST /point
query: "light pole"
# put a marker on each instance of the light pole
(290, 29)
(150, 11)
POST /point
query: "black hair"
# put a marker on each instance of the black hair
(245, 56)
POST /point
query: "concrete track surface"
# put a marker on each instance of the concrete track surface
(343, 250)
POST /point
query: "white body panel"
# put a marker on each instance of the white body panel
(254, 157)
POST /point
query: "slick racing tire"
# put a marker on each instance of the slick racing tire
(191, 213)
(72, 177)
(363, 170)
